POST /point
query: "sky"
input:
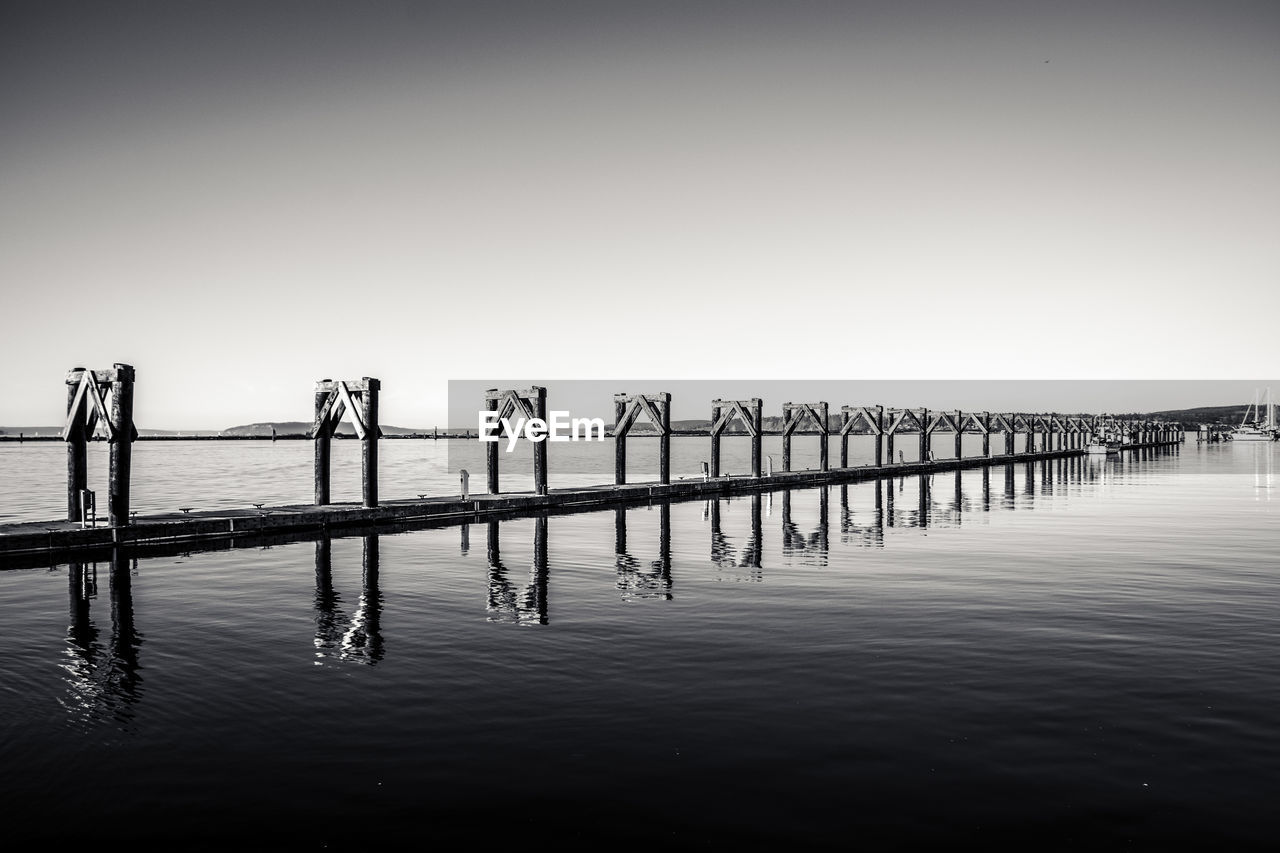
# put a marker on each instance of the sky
(240, 199)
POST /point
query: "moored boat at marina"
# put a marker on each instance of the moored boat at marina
(1262, 425)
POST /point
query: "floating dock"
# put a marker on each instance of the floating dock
(43, 542)
(88, 413)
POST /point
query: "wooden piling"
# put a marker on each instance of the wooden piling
(986, 434)
(715, 441)
(664, 440)
(786, 439)
(121, 462)
(540, 448)
(959, 435)
(77, 442)
(824, 462)
(491, 456)
(757, 440)
(844, 438)
(369, 459)
(880, 437)
(924, 435)
(619, 440)
(321, 435)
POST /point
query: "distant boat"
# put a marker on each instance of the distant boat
(1104, 444)
(1259, 423)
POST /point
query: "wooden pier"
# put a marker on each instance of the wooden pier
(1045, 436)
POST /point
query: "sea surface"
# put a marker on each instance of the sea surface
(1075, 654)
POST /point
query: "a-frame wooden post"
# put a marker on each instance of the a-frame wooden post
(752, 414)
(626, 409)
(86, 408)
(530, 404)
(792, 415)
(359, 401)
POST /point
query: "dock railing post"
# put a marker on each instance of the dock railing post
(986, 434)
(321, 436)
(77, 443)
(959, 434)
(121, 462)
(369, 458)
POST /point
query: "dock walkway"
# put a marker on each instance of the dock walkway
(248, 527)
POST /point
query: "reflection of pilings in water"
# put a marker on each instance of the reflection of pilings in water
(634, 582)
(926, 487)
(102, 682)
(1009, 488)
(1029, 483)
(504, 602)
(755, 547)
(537, 594)
(888, 502)
(864, 535)
(816, 544)
(959, 500)
(724, 555)
(83, 649)
(986, 490)
(329, 616)
(465, 533)
(125, 639)
(363, 640)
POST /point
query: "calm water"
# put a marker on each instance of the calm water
(1078, 654)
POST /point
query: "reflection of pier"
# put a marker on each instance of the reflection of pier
(506, 603)
(102, 681)
(813, 546)
(871, 534)
(359, 636)
(725, 555)
(636, 582)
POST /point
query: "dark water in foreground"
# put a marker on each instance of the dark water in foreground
(1078, 654)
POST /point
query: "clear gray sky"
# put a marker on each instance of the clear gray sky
(241, 198)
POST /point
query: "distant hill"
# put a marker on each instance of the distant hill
(1191, 418)
(287, 428)
(46, 431)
